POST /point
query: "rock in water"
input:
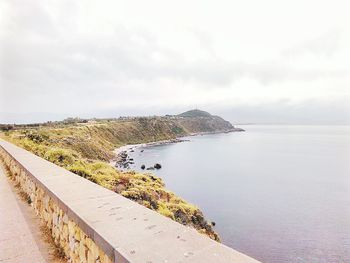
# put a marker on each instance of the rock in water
(157, 166)
(143, 167)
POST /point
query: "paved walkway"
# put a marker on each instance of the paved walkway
(20, 235)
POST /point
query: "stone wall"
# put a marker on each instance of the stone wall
(68, 236)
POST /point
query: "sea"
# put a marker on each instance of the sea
(277, 193)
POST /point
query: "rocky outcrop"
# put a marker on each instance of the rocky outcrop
(157, 166)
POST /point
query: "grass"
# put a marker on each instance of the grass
(57, 252)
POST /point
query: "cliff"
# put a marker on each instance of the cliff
(197, 121)
(85, 148)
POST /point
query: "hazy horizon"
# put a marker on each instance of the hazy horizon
(42, 117)
(249, 62)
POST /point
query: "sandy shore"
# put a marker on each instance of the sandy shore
(118, 161)
(130, 147)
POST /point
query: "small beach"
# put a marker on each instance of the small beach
(122, 159)
(124, 162)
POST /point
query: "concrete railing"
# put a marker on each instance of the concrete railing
(93, 224)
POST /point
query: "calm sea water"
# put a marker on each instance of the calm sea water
(276, 193)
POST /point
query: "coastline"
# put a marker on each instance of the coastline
(86, 148)
(121, 159)
(216, 132)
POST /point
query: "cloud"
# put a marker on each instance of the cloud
(325, 45)
(307, 112)
(67, 57)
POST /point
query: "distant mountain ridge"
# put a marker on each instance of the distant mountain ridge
(195, 113)
(198, 121)
(189, 122)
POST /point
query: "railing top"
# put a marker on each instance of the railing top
(125, 230)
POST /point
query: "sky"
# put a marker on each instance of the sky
(249, 61)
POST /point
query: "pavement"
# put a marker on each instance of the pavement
(21, 239)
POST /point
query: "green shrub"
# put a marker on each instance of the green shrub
(61, 157)
(83, 172)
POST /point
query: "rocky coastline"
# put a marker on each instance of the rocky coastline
(85, 148)
(217, 132)
(124, 161)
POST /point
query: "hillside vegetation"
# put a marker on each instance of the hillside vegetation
(86, 149)
(195, 113)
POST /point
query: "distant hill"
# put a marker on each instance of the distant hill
(142, 129)
(195, 113)
(198, 121)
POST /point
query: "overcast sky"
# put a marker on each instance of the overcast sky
(250, 61)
